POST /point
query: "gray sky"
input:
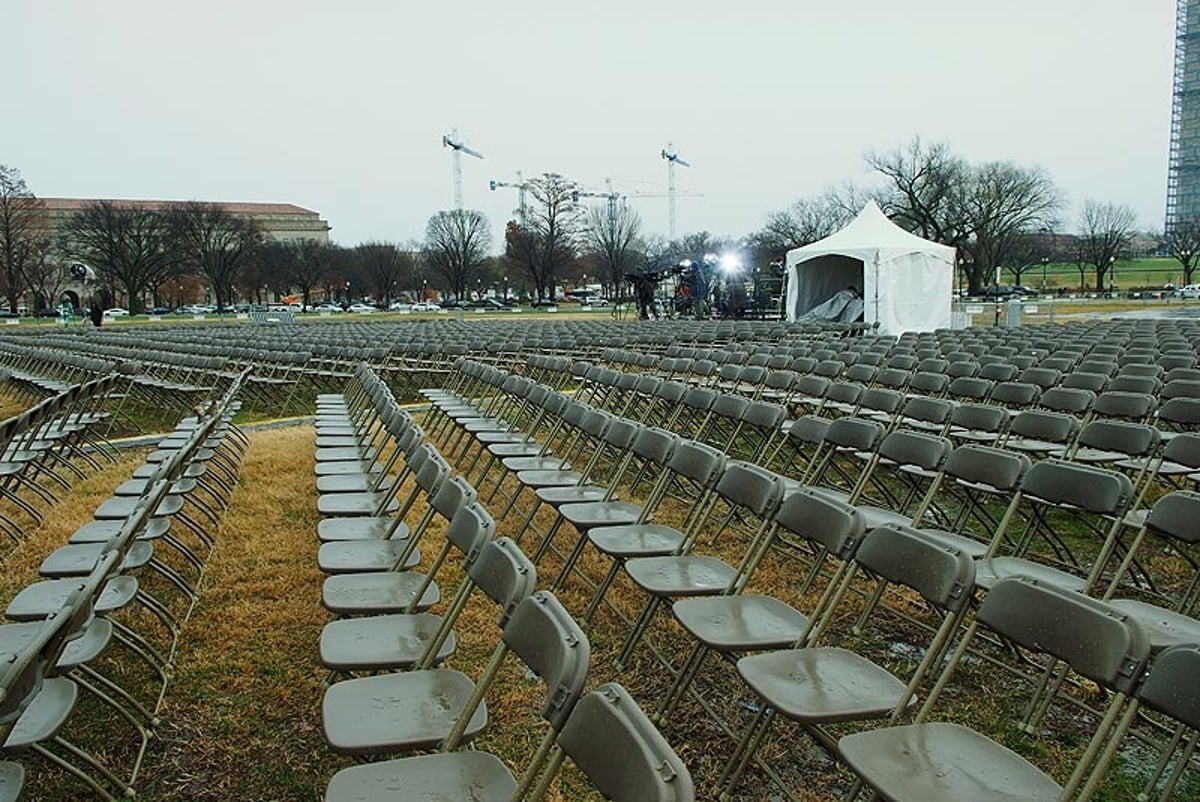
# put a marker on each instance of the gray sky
(340, 106)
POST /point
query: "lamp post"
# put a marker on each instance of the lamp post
(1045, 261)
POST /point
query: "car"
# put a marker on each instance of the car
(116, 311)
(453, 304)
(1025, 292)
(326, 308)
(486, 303)
(48, 312)
(594, 301)
(399, 306)
(361, 309)
(544, 303)
(1189, 291)
(425, 306)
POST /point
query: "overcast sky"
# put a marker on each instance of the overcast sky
(340, 106)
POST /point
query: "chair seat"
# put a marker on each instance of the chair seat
(397, 712)
(1164, 627)
(576, 494)
(533, 462)
(380, 642)
(338, 467)
(338, 441)
(496, 438)
(989, 572)
(350, 504)
(12, 780)
(120, 508)
(940, 762)
(822, 685)
(45, 715)
(477, 776)
(600, 513)
(636, 540)
(79, 559)
(680, 576)
(35, 602)
(136, 487)
(101, 531)
(351, 483)
(349, 594)
(80, 650)
(364, 556)
(740, 623)
(343, 454)
(365, 528)
(549, 478)
(508, 450)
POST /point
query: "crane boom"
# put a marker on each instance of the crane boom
(457, 148)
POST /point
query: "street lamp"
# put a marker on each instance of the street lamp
(1045, 261)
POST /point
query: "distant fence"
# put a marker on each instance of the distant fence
(260, 316)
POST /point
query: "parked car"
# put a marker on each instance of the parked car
(48, 312)
(1189, 291)
(399, 306)
(486, 303)
(425, 306)
(594, 301)
(158, 310)
(361, 309)
(115, 312)
(453, 304)
(326, 308)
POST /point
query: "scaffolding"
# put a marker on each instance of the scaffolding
(1183, 178)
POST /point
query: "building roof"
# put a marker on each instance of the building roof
(76, 204)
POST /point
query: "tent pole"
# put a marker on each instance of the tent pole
(876, 321)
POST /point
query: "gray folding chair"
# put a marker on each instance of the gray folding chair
(935, 761)
(607, 737)
(441, 708)
(421, 640)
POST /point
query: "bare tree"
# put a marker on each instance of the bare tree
(385, 268)
(1104, 233)
(924, 192)
(47, 272)
(1002, 203)
(311, 265)
(1183, 243)
(612, 235)
(804, 222)
(456, 244)
(128, 247)
(216, 244)
(22, 226)
(549, 239)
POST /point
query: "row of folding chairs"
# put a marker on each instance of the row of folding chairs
(105, 618)
(49, 445)
(1051, 487)
(385, 631)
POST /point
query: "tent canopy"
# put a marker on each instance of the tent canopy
(905, 281)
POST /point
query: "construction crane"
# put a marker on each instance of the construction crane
(456, 145)
(673, 158)
(612, 197)
(520, 186)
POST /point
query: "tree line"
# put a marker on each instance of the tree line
(996, 214)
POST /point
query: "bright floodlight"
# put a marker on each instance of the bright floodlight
(730, 263)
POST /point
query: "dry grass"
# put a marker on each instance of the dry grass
(241, 719)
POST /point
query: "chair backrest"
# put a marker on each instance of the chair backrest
(1015, 394)
(613, 742)
(1054, 427)
(1065, 399)
(1177, 515)
(697, 461)
(750, 486)
(916, 449)
(1131, 439)
(655, 444)
(1093, 638)
(1092, 489)
(504, 573)
(943, 575)
(469, 529)
(1170, 684)
(990, 467)
(854, 433)
(928, 410)
(832, 524)
(551, 644)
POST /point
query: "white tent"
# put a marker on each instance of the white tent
(905, 281)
